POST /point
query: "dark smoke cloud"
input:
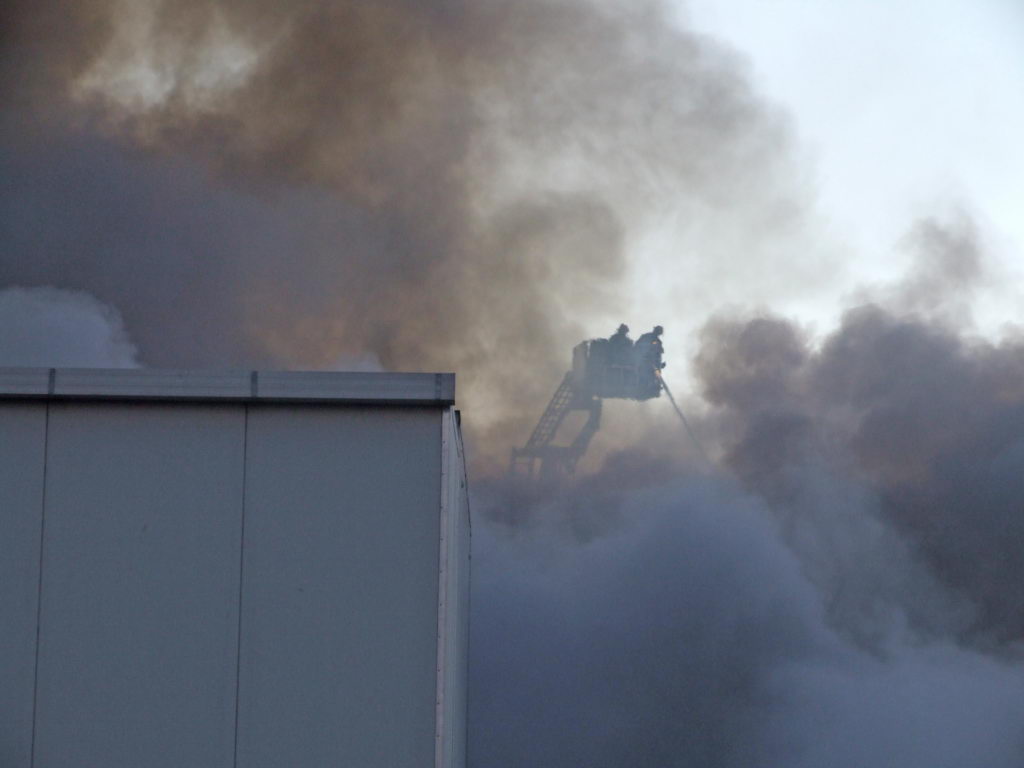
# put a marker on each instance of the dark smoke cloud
(844, 591)
(445, 185)
(911, 422)
(457, 185)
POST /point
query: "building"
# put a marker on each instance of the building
(244, 569)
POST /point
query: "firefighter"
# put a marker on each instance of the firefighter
(648, 351)
(621, 334)
(620, 345)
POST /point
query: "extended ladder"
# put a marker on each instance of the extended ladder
(539, 457)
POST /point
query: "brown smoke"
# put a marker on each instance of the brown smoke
(487, 164)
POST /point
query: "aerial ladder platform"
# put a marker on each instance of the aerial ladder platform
(601, 368)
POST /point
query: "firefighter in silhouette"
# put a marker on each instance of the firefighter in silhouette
(620, 346)
(648, 351)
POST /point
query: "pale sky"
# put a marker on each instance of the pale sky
(902, 109)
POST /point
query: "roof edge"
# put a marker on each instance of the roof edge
(150, 384)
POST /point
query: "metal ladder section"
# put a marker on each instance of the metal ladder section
(553, 415)
(557, 461)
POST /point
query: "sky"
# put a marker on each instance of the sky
(903, 110)
(820, 203)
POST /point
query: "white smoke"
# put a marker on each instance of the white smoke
(50, 327)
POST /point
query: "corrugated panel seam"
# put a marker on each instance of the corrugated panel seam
(442, 596)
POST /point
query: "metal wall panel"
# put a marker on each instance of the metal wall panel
(340, 584)
(453, 620)
(461, 612)
(353, 649)
(22, 449)
(138, 634)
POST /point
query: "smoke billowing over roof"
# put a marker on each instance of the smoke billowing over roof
(475, 186)
(441, 185)
(843, 590)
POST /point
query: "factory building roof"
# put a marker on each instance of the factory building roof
(238, 386)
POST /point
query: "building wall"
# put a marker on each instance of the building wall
(138, 611)
(453, 624)
(22, 441)
(339, 602)
(224, 583)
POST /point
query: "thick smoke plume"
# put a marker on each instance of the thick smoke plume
(446, 185)
(900, 417)
(693, 636)
(924, 426)
(853, 601)
(466, 186)
(843, 591)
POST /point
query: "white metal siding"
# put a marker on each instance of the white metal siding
(453, 618)
(340, 585)
(22, 440)
(231, 577)
(140, 586)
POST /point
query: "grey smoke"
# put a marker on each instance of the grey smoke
(846, 592)
(46, 327)
(452, 185)
(459, 186)
(913, 426)
(692, 636)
